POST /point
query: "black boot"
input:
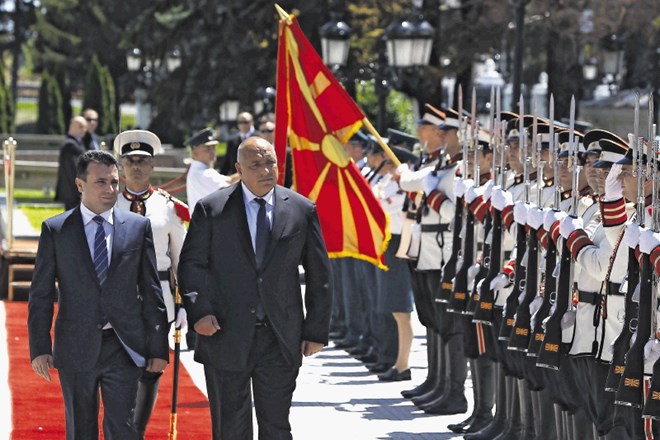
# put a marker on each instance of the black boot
(453, 401)
(474, 374)
(513, 430)
(483, 380)
(582, 426)
(526, 411)
(431, 379)
(497, 425)
(546, 415)
(559, 422)
(439, 373)
(145, 400)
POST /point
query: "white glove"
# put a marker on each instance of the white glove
(472, 193)
(535, 217)
(631, 236)
(613, 189)
(180, 320)
(499, 282)
(500, 199)
(520, 212)
(488, 190)
(554, 216)
(430, 183)
(568, 320)
(570, 224)
(648, 240)
(472, 273)
(462, 185)
(535, 305)
(652, 350)
(402, 168)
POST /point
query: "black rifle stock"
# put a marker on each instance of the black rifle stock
(483, 311)
(459, 297)
(484, 267)
(512, 301)
(449, 269)
(631, 391)
(519, 339)
(551, 349)
(622, 341)
(549, 297)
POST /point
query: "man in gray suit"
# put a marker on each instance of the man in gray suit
(238, 272)
(99, 264)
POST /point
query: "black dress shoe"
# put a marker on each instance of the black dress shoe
(336, 335)
(393, 375)
(379, 368)
(359, 350)
(346, 343)
(368, 358)
(420, 389)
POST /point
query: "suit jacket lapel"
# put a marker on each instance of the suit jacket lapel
(280, 217)
(80, 242)
(119, 236)
(238, 205)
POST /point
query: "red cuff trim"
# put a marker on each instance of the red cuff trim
(577, 241)
(507, 217)
(542, 235)
(613, 213)
(655, 259)
(412, 196)
(479, 207)
(509, 268)
(435, 199)
(554, 231)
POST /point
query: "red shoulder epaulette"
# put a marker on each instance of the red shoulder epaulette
(180, 208)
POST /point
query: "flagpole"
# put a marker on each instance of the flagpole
(282, 13)
(381, 142)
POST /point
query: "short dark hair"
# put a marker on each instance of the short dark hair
(96, 156)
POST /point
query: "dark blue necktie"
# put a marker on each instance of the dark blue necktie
(263, 232)
(100, 251)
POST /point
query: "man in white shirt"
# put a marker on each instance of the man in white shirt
(202, 178)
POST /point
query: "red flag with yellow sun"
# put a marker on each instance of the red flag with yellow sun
(319, 117)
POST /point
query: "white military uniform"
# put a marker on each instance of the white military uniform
(436, 242)
(168, 232)
(202, 181)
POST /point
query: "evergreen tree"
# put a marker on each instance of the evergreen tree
(109, 122)
(94, 96)
(51, 117)
(3, 113)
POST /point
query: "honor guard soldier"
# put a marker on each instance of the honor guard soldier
(600, 268)
(166, 215)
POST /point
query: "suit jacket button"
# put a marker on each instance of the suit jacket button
(260, 280)
(253, 311)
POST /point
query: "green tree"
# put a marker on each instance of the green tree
(50, 119)
(99, 94)
(109, 123)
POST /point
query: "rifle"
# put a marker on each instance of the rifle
(630, 391)
(483, 311)
(459, 299)
(552, 349)
(520, 336)
(449, 269)
(512, 301)
(652, 406)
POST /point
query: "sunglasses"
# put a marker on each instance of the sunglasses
(91, 119)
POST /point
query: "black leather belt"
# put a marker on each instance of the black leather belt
(614, 289)
(592, 298)
(440, 227)
(164, 275)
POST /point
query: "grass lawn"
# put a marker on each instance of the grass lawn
(37, 214)
(32, 196)
(26, 115)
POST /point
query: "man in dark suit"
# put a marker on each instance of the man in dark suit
(90, 139)
(238, 272)
(65, 189)
(99, 264)
(245, 123)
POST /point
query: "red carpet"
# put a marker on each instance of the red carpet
(38, 411)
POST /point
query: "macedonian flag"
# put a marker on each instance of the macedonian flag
(319, 116)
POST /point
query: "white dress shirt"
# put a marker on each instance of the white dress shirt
(202, 181)
(252, 209)
(90, 229)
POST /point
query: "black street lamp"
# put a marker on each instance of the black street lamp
(147, 69)
(335, 41)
